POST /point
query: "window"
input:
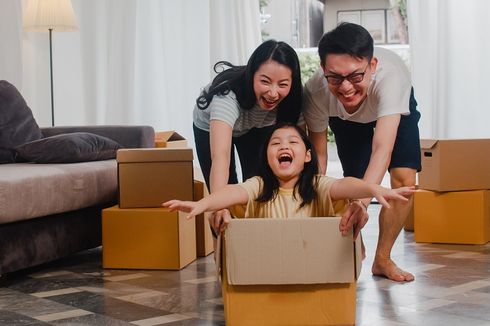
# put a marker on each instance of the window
(379, 23)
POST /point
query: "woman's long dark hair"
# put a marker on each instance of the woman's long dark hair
(307, 183)
(239, 79)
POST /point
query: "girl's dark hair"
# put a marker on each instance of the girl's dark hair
(239, 79)
(307, 182)
(346, 38)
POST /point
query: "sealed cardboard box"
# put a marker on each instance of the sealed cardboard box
(169, 139)
(461, 217)
(289, 272)
(204, 238)
(455, 165)
(409, 224)
(149, 238)
(150, 176)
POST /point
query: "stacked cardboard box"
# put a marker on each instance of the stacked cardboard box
(454, 203)
(139, 233)
(204, 238)
(289, 272)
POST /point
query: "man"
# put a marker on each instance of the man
(366, 98)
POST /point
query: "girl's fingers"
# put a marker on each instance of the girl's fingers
(383, 202)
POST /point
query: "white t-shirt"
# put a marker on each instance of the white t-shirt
(388, 93)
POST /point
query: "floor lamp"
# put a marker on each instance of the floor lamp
(50, 16)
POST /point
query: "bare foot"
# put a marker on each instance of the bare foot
(388, 269)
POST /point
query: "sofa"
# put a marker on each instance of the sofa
(48, 211)
(54, 182)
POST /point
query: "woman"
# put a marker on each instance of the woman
(239, 107)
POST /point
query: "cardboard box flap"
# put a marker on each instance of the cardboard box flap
(289, 251)
(428, 143)
(168, 136)
(358, 255)
(134, 155)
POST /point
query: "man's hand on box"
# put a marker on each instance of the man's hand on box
(219, 220)
(356, 216)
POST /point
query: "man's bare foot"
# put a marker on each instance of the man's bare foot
(388, 269)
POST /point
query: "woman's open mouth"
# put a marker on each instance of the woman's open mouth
(269, 103)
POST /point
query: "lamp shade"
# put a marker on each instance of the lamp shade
(44, 15)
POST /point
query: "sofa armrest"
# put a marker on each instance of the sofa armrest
(127, 136)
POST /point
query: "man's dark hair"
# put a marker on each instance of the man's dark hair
(239, 79)
(346, 38)
(307, 183)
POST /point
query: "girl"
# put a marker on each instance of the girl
(238, 109)
(288, 185)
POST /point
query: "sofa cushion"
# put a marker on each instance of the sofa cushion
(69, 148)
(17, 125)
(31, 190)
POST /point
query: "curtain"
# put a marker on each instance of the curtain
(131, 62)
(235, 30)
(11, 43)
(450, 67)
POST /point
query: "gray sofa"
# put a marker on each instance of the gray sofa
(48, 211)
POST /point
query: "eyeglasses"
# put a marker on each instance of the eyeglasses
(354, 78)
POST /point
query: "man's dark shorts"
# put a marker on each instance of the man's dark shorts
(354, 142)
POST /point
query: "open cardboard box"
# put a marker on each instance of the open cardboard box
(288, 272)
(169, 139)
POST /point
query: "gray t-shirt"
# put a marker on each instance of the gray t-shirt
(389, 93)
(227, 109)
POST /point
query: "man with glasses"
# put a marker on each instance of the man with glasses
(366, 98)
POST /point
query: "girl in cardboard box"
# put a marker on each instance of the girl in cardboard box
(288, 185)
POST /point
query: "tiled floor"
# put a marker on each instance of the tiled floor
(452, 287)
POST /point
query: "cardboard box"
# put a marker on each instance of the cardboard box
(455, 165)
(409, 223)
(149, 238)
(461, 217)
(289, 272)
(169, 139)
(150, 176)
(204, 238)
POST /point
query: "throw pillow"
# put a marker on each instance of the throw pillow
(69, 148)
(17, 125)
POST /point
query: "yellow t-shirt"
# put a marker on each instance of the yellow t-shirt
(285, 205)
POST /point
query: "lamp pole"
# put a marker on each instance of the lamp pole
(54, 16)
(51, 74)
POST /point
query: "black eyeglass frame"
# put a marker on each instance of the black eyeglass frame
(337, 80)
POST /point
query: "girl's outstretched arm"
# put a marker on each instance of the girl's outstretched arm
(226, 196)
(354, 188)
